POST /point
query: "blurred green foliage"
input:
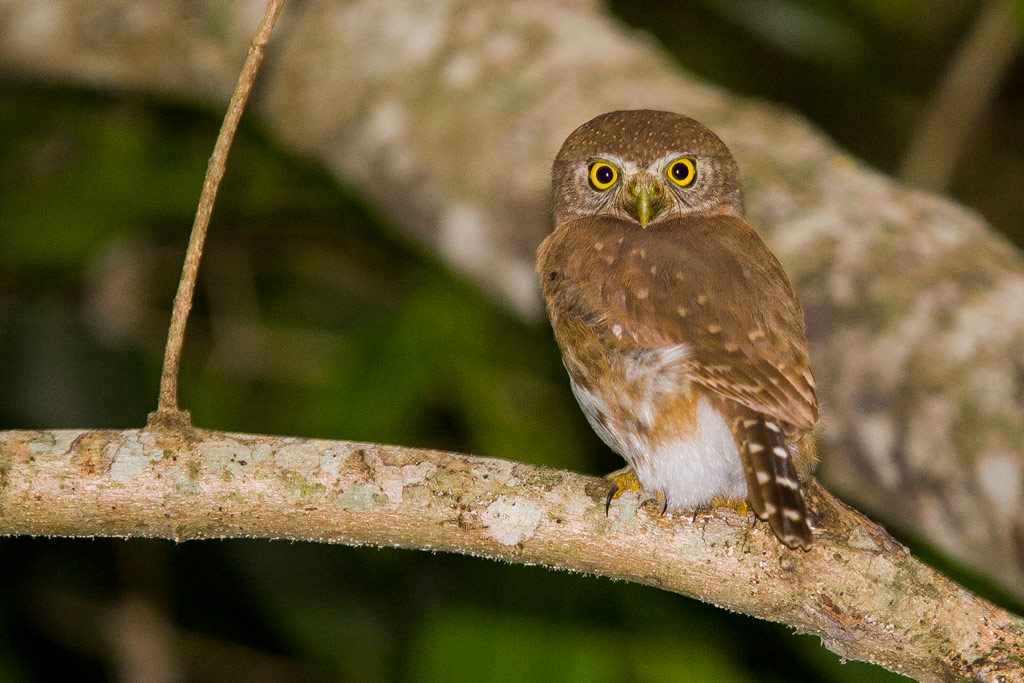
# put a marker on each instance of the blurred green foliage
(314, 318)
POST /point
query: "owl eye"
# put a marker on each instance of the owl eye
(682, 171)
(602, 175)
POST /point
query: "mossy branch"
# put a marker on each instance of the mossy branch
(857, 588)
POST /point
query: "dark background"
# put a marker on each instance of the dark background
(314, 318)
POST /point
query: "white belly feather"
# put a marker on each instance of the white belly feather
(688, 470)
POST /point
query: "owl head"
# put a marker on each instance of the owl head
(644, 166)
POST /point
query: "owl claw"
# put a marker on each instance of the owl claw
(625, 480)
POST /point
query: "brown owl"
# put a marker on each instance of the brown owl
(683, 338)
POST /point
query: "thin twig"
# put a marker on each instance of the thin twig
(857, 588)
(167, 410)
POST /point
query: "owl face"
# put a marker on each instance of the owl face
(643, 169)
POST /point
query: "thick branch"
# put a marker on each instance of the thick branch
(858, 589)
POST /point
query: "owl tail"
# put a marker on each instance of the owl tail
(773, 487)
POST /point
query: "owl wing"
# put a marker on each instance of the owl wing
(709, 286)
(710, 283)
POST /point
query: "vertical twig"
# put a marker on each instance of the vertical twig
(167, 408)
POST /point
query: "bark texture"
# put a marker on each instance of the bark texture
(446, 116)
(857, 588)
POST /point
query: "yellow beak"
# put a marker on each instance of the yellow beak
(645, 198)
(643, 207)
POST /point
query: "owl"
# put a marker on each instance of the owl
(683, 339)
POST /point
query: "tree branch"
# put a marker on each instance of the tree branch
(857, 588)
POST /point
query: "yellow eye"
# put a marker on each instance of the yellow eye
(602, 175)
(683, 171)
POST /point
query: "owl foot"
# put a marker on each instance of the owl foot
(741, 506)
(622, 480)
(625, 480)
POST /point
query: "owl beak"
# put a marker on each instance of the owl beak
(645, 198)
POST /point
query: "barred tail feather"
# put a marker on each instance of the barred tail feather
(773, 486)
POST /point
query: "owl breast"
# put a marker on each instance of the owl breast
(641, 404)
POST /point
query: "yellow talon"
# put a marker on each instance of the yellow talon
(741, 506)
(622, 480)
(625, 480)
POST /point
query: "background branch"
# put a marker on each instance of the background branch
(912, 302)
(962, 97)
(858, 589)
